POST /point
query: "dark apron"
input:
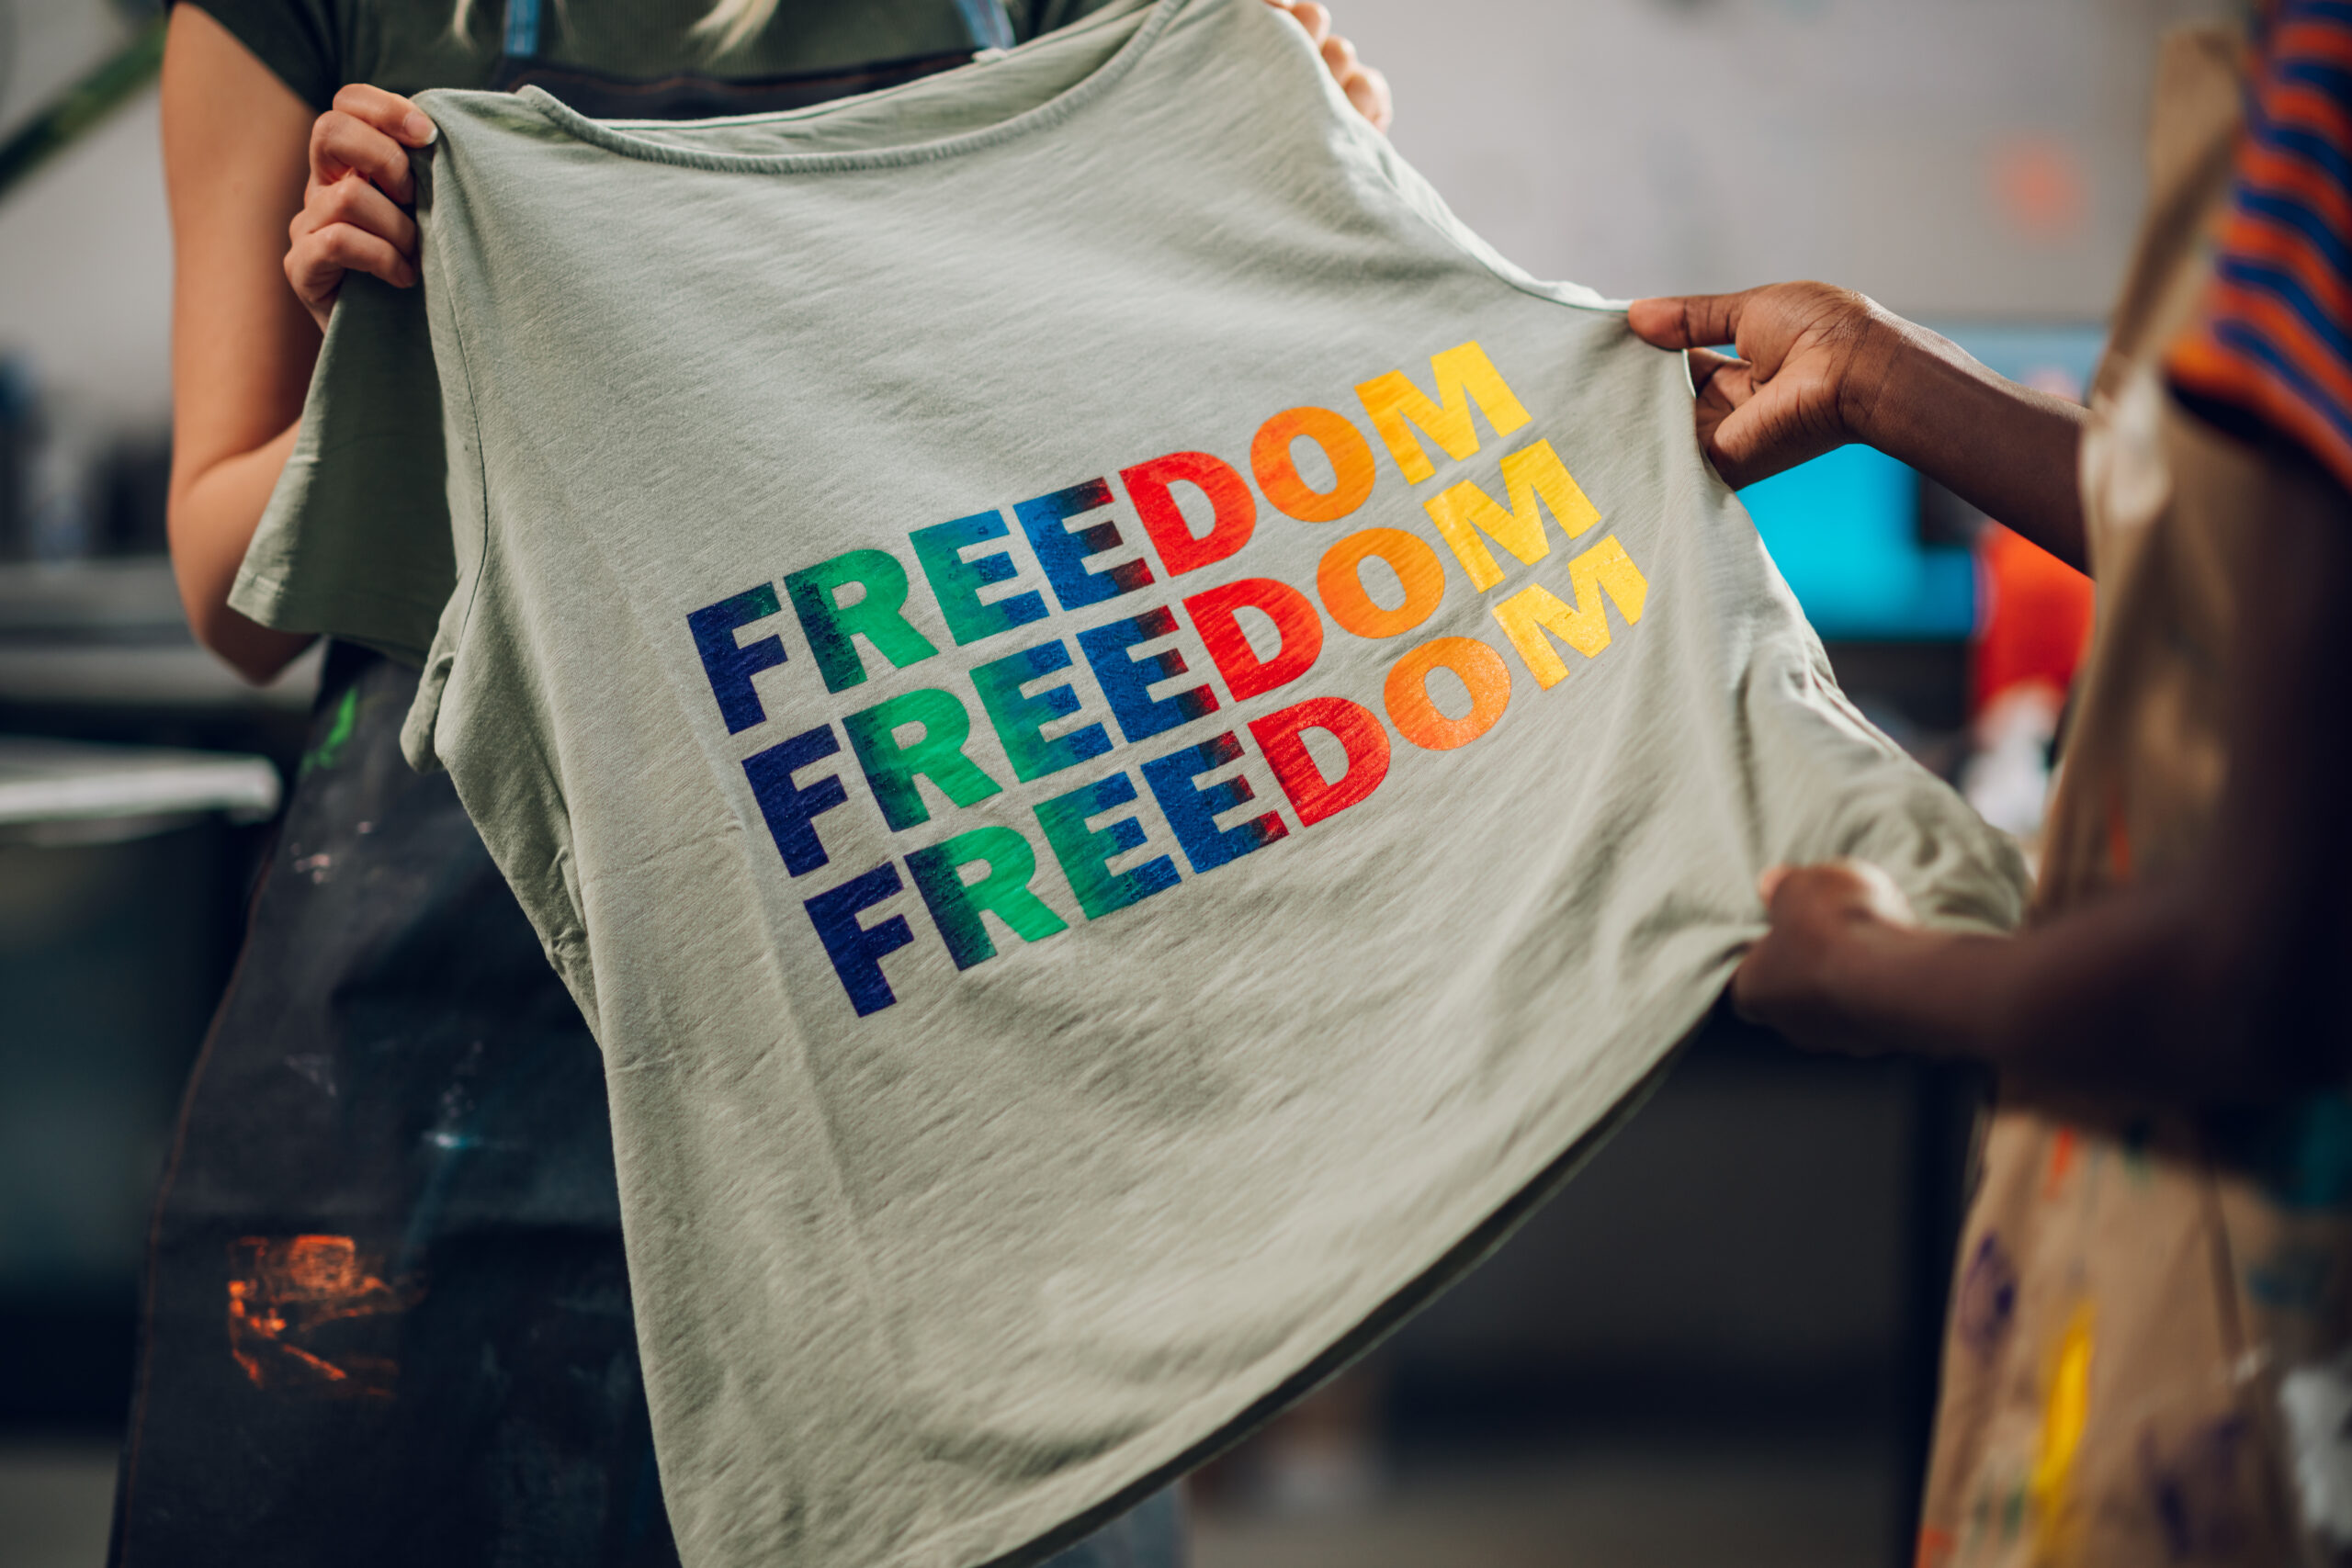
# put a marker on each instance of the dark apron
(387, 1319)
(387, 1315)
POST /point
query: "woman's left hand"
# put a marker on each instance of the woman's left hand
(1364, 85)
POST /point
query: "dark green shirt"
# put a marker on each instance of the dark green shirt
(317, 45)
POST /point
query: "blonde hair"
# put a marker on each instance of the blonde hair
(727, 25)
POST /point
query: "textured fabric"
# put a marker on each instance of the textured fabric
(2274, 339)
(2151, 1308)
(1131, 741)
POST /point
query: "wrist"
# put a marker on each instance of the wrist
(1922, 991)
(1879, 396)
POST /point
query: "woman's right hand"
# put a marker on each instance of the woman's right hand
(354, 216)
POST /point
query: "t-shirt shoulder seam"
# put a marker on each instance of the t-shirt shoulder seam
(1531, 288)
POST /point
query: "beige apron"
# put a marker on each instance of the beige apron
(2149, 1306)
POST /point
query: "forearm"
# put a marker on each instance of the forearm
(2122, 994)
(2198, 989)
(213, 515)
(2006, 449)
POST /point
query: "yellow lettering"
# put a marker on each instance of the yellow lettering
(1534, 610)
(1462, 374)
(1461, 511)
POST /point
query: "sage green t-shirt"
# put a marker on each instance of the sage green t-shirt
(1131, 741)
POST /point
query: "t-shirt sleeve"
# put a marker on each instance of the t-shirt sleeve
(2273, 344)
(297, 40)
(355, 540)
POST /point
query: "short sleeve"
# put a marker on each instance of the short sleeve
(355, 540)
(297, 40)
(2273, 344)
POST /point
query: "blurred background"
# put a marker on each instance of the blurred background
(1718, 1344)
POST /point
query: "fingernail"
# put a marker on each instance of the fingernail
(420, 130)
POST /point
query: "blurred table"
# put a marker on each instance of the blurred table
(100, 650)
(54, 791)
(134, 768)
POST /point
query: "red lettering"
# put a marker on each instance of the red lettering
(1234, 511)
(1247, 675)
(1312, 796)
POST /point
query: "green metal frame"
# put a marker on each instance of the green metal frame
(77, 110)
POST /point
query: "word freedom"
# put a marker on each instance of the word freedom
(925, 734)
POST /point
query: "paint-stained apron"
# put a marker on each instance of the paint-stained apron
(2147, 1358)
(387, 1318)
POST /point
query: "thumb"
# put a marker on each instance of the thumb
(1688, 320)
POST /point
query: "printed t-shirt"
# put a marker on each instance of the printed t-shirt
(1130, 740)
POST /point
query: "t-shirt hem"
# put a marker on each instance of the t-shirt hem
(376, 621)
(1505, 1207)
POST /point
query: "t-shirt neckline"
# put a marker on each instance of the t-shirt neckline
(615, 136)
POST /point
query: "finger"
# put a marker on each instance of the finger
(388, 112)
(1740, 454)
(1706, 365)
(340, 144)
(1367, 88)
(1339, 57)
(353, 201)
(1689, 320)
(1315, 19)
(316, 263)
(1750, 984)
(1769, 882)
(1767, 434)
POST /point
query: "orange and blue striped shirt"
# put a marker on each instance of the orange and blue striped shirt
(2273, 342)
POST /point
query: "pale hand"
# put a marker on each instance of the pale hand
(354, 216)
(1365, 87)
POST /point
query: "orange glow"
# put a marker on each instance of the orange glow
(2037, 186)
(286, 1293)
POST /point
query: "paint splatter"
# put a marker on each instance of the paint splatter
(301, 1309)
(318, 1068)
(2063, 1145)
(1988, 1298)
(329, 751)
(2066, 1411)
(2193, 1489)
